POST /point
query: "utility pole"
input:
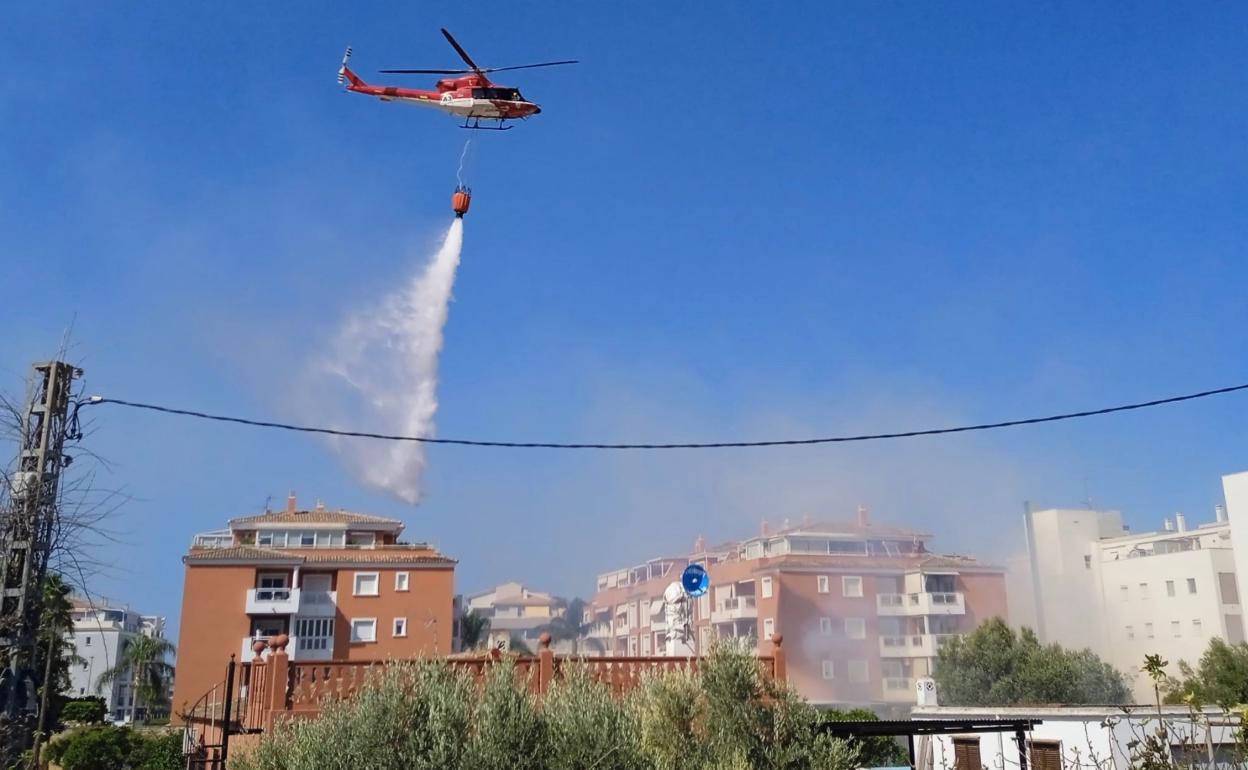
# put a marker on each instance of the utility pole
(26, 532)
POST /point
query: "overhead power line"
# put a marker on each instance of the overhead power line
(694, 445)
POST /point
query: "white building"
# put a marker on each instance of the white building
(1081, 738)
(102, 629)
(1129, 595)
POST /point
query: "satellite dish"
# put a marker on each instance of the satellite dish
(694, 580)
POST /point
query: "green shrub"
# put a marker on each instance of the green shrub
(157, 751)
(97, 748)
(587, 726)
(425, 716)
(508, 734)
(83, 710)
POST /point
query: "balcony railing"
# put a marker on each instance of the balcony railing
(943, 603)
(736, 608)
(913, 645)
(272, 601)
(895, 684)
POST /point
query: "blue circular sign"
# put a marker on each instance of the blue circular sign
(694, 580)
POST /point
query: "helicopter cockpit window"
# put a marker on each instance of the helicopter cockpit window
(504, 94)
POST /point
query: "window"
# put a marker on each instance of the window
(1143, 590)
(1169, 588)
(1123, 590)
(825, 625)
(364, 629)
(851, 586)
(1046, 755)
(400, 581)
(1130, 632)
(314, 633)
(273, 580)
(361, 539)
(1196, 627)
(1176, 629)
(769, 628)
(1227, 588)
(1148, 630)
(855, 628)
(1191, 585)
(822, 582)
(400, 627)
(1087, 562)
(829, 669)
(366, 584)
(966, 754)
(766, 588)
(88, 641)
(858, 673)
(264, 538)
(307, 539)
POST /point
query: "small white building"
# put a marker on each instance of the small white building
(1081, 738)
(102, 629)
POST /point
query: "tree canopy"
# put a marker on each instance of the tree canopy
(1220, 677)
(994, 666)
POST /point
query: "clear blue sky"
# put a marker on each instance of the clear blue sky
(731, 220)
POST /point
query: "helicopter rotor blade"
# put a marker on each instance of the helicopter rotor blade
(531, 66)
(424, 72)
(460, 50)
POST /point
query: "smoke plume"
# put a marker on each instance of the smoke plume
(382, 369)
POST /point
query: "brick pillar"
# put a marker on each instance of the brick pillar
(278, 670)
(780, 671)
(545, 664)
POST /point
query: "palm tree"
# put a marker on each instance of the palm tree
(54, 654)
(473, 629)
(143, 660)
(571, 625)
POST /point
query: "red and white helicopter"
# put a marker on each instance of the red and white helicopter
(474, 96)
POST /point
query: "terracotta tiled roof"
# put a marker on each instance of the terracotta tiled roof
(312, 517)
(241, 552)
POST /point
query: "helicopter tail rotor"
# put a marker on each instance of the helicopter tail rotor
(343, 72)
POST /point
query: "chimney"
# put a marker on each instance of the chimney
(863, 520)
(1219, 513)
(762, 529)
(320, 505)
(290, 502)
(1180, 522)
(1169, 526)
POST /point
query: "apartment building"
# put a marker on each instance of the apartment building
(1127, 595)
(863, 608)
(515, 611)
(340, 585)
(102, 629)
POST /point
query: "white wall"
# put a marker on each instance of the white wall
(1157, 608)
(1235, 489)
(1069, 593)
(1090, 738)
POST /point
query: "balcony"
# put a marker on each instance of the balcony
(272, 601)
(600, 630)
(898, 687)
(318, 604)
(913, 645)
(736, 608)
(920, 604)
